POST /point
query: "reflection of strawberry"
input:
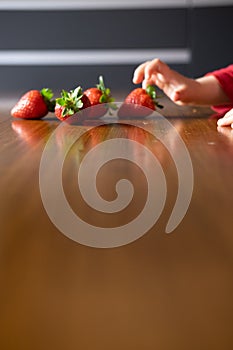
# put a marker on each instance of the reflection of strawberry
(139, 103)
(34, 105)
(70, 103)
(98, 96)
(31, 131)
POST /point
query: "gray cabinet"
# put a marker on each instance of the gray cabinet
(62, 48)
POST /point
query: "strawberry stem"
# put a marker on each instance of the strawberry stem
(71, 101)
(47, 95)
(152, 93)
(106, 92)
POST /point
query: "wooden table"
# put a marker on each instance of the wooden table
(162, 291)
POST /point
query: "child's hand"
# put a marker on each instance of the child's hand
(148, 73)
(177, 87)
(227, 120)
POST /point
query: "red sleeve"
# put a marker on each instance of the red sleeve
(225, 79)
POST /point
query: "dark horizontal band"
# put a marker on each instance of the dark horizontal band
(83, 30)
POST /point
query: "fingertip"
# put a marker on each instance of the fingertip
(136, 79)
(220, 122)
(227, 120)
(147, 82)
(144, 84)
(138, 75)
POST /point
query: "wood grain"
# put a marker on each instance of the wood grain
(160, 292)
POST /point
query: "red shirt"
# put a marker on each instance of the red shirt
(225, 79)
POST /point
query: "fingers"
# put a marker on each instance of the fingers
(227, 120)
(226, 131)
(146, 82)
(146, 72)
(153, 67)
(139, 73)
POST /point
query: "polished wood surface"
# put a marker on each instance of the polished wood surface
(162, 291)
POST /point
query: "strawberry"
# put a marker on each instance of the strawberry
(98, 96)
(139, 103)
(34, 104)
(70, 103)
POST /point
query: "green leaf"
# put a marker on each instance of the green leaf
(152, 93)
(61, 101)
(64, 94)
(79, 104)
(103, 99)
(47, 93)
(107, 91)
(101, 85)
(77, 92)
(71, 101)
(64, 112)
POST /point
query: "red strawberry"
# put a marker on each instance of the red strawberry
(98, 96)
(70, 103)
(34, 105)
(135, 103)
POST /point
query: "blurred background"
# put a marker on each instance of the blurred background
(62, 44)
